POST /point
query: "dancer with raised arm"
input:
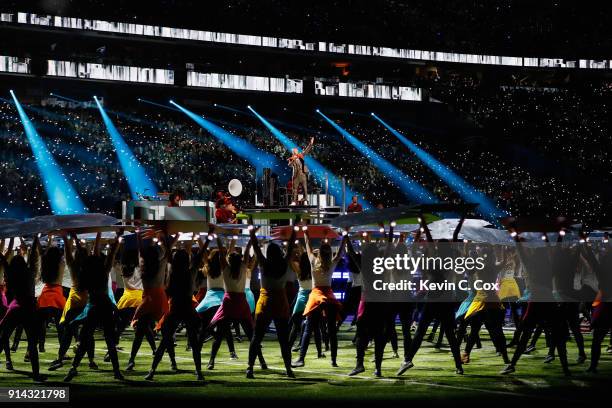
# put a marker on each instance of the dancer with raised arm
(180, 292)
(51, 301)
(272, 304)
(321, 301)
(5, 260)
(102, 311)
(235, 307)
(599, 259)
(540, 308)
(154, 299)
(214, 263)
(436, 307)
(487, 309)
(20, 278)
(77, 297)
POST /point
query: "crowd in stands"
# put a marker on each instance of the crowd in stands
(540, 151)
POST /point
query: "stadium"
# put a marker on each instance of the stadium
(197, 173)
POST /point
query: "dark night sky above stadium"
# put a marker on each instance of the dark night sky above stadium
(513, 27)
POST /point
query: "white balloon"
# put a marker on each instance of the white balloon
(235, 187)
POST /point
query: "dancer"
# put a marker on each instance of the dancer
(51, 301)
(131, 298)
(272, 304)
(321, 301)
(487, 309)
(214, 263)
(299, 172)
(20, 278)
(352, 295)
(565, 259)
(370, 316)
(302, 269)
(601, 263)
(435, 308)
(180, 292)
(102, 309)
(403, 307)
(538, 267)
(154, 300)
(235, 307)
(77, 297)
(5, 260)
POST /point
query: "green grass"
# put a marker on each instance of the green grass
(432, 380)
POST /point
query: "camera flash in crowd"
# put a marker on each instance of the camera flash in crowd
(393, 224)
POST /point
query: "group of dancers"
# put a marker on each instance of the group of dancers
(171, 285)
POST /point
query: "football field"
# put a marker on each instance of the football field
(432, 380)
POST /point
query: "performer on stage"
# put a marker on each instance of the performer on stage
(300, 172)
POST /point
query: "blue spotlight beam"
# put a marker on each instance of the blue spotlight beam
(410, 188)
(159, 105)
(66, 98)
(319, 171)
(257, 157)
(138, 180)
(63, 198)
(486, 207)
